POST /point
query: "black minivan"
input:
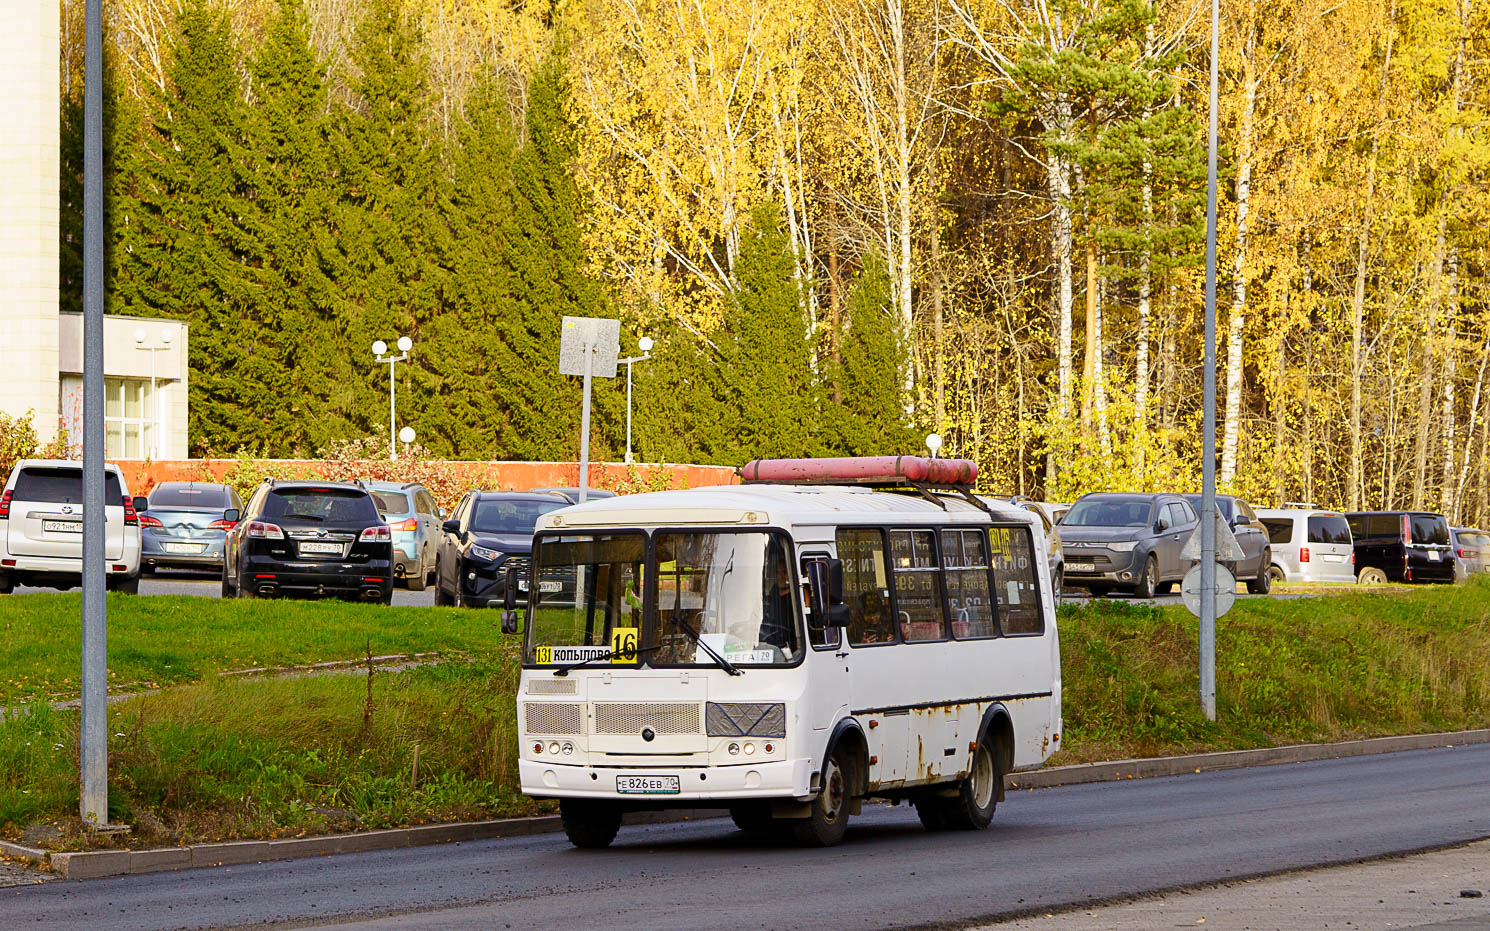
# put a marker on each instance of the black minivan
(1401, 546)
(309, 538)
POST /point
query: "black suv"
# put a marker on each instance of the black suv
(309, 538)
(1401, 546)
(488, 533)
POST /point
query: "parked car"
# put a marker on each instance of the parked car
(487, 533)
(1126, 540)
(41, 527)
(185, 525)
(572, 494)
(1251, 536)
(1309, 545)
(309, 538)
(414, 519)
(1055, 555)
(1401, 546)
(1471, 551)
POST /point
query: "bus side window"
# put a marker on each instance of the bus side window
(866, 586)
(918, 585)
(966, 555)
(1015, 581)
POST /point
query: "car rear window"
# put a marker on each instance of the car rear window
(62, 486)
(1280, 529)
(1475, 538)
(325, 504)
(391, 502)
(1329, 528)
(1430, 529)
(210, 496)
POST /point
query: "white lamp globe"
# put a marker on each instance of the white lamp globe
(405, 344)
(165, 335)
(139, 334)
(933, 443)
(645, 344)
(379, 347)
(406, 435)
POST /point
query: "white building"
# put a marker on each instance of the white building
(41, 349)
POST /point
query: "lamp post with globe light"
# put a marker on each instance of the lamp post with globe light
(645, 345)
(934, 443)
(379, 349)
(155, 424)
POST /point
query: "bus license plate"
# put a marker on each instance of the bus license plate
(62, 526)
(312, 547)
(647, 785)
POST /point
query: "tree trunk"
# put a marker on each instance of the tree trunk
(1061, 243)
(1099, 378)
(1420, 479)
(1141, 362)
(1233, 415)
(1450, 340)
(939, 374)
(1474, 409)
(1088, 363)
(1358, 300)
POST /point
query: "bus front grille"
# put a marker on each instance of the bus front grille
(553, 718)
(629, 718)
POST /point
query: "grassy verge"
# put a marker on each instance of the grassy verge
(1396, 660)
(232, 758)
(170, 639)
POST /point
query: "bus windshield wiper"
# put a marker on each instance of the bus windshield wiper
(724, 664)
(610, 654)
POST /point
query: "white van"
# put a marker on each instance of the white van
(1309, 545)
(41, 527)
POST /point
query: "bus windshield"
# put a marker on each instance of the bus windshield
(732, 591)
(589, 598)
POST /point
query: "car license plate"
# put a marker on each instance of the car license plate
(647, 785)
(522, 586)
(1434, 556)
(62, 526)
(1081, 567)
(316, 547)
(183, 548)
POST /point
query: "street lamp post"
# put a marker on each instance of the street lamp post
(379, 348)
(155, 425)
(645, 345)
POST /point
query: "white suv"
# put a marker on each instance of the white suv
(41, 527)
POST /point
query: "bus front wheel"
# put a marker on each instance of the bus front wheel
(826, 825)
(589, 825)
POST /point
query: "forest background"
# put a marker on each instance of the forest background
(845, 222)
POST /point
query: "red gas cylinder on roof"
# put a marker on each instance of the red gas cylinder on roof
(863, 470)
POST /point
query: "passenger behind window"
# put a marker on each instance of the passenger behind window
(871, 622)
(778, 619)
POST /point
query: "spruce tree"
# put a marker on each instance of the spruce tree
(546, 279)
(869, 418)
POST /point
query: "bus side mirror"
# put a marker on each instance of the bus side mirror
(835, 582)
(818, 582)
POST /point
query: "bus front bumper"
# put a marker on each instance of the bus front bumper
(781, 779)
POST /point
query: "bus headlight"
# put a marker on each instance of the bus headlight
(734, 749)
(553, 747)
(749, 749)
(568, 748)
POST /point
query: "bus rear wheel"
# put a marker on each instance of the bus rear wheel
(978, 794)
(589, 825)
(826, 825)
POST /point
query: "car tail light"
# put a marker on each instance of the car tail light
(1406, 530)
(130, 517)
(222, 525)
(1303, 554)
(406, 524)
(152, 522)
(378, 534)
(262, 530)
(5, 506)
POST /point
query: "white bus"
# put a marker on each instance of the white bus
(869, 630)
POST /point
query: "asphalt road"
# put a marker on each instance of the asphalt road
(1047, 849)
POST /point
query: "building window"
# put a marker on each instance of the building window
(129, 418)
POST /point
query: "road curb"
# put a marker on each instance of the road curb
(98, 863)
(1081, 773)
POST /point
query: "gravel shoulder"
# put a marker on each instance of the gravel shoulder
(1420, 891)
(14, 873)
